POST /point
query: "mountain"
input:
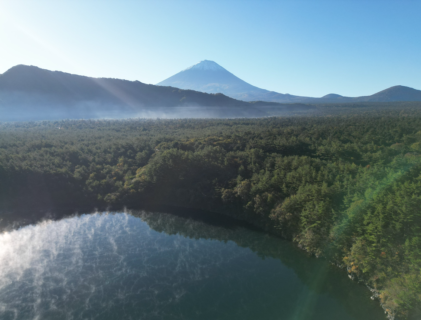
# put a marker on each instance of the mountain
(208, 76)
(396, 93)
(392, 94)
(31, 93)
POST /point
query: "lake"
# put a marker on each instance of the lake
(154, 265)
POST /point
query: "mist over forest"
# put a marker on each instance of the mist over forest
(29, 93)
(342, 183)
(339, 180)
(202, 160)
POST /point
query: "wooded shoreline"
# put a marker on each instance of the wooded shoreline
(345, 185)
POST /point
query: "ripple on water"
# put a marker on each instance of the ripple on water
(116, 266)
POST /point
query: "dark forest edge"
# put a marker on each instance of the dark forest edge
(344, 184)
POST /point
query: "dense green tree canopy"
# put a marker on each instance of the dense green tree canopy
(345, 185)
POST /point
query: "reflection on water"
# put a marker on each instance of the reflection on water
(144, 265)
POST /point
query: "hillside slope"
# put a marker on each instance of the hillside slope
(28, 92)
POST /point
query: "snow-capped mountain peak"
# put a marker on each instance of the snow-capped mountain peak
(206, 65)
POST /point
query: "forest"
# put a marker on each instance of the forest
(343, 184)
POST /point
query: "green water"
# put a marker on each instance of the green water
(151, 265)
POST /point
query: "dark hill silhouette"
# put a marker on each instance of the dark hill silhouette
(208, 76)
(69, 88)
(396, 93)
(28, 91)
(392, 94)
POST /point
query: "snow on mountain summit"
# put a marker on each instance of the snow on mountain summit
(206, 65)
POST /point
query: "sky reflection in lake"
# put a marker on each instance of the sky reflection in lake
(160, 266)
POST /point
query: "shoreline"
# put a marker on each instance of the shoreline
(62, 212)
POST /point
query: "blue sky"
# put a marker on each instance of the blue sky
(309, 48)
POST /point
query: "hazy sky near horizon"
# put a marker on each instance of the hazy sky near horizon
(308, 48)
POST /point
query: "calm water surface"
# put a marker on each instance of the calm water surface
(144, 265)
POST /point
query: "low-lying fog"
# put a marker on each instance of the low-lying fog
(156, 113)
(36, 112)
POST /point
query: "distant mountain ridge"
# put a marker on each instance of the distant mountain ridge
(32, 93)
(32, 90)
(69, 88)
(208, 76)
